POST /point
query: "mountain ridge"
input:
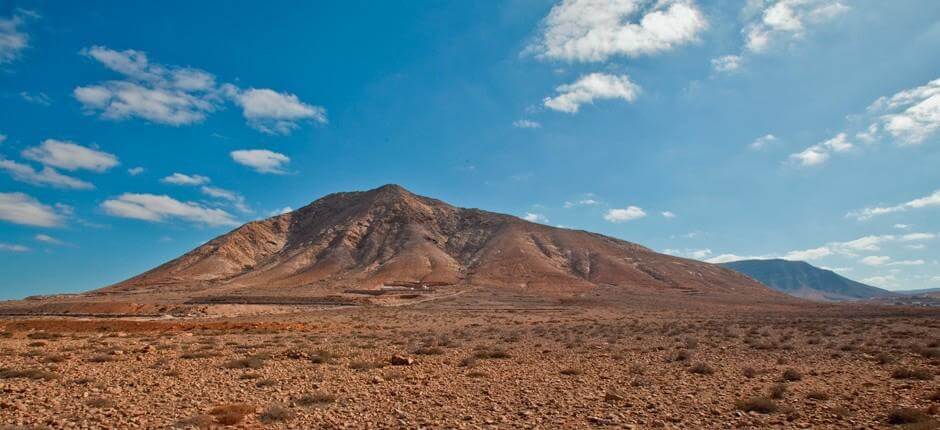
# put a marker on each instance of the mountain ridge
(801, 279)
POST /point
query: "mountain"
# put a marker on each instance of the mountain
(389, 236)
(804, 280)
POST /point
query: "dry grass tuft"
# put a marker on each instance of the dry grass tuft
(761, 405)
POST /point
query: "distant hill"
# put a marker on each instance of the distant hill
(920, 292)
(804, 280)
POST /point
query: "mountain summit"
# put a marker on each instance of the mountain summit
(389, 236)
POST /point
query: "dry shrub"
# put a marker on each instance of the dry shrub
(316, 398)
(570, 371)
(231, 414)
(778, 390)
(491, 353)
(918, 374)
(817, 395)
(365, 365)
(321, 356)
(761, 405)
(701, 369)
(35, 374)
(100, 403)
(276, 413)
(198, 421)
(245, 363)
(792, 375)
(908, 416)
(101, 358)
(749, 372)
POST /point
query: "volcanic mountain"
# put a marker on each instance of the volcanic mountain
(801, 279)
(389, 236)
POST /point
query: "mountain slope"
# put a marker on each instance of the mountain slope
(804, 280)
(389, 235)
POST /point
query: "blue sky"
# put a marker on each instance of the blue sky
(804, 129)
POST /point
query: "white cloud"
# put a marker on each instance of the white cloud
(533, 217)
(9, 247)
(910, 237)
(39, 98)
(45, 177)
(157, 208)
(875, 260)
(237, 200)
(786, 20)
(526, 123)
(727, 258)
(881, 281)
(13, 40)
(3, 138)
(45, 238)
(819, 153)
(907, 263)
(910, 116)
(261, 160)
(70, 156)
(902, 226)
(727, 63)
(134, 171)
(182, 95)
(668, 214)
(119, 100)
(582, 202)
(595, 30)
(280, 211)
(923, 202)
(808, 254)
(20, 208)
(277, 113)
(595, 86)
(183, 179)
(623, 215)
(762, 142)
(866, 243)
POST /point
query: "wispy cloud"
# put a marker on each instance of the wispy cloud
(919, 203)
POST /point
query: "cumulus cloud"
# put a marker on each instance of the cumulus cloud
(526, 123)
(276, 113)
(158, 208)
(595, 30)
(70, 156)
(786, 20)
(667, 214)
(623, 215)
(534, 217)
(184, 179)
(923, 202)
(819, 153)
(762, 142)
(910, 116)
(13, 39)
(595, 86)
(134, 171)
(20, 208)
(261, 160)
(179, 96)
(45, 177)
(727, 63)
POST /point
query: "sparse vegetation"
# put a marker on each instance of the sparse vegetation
(276, 413)
(701, 369)
(917, 374)
(761, 405)
(316, 398)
